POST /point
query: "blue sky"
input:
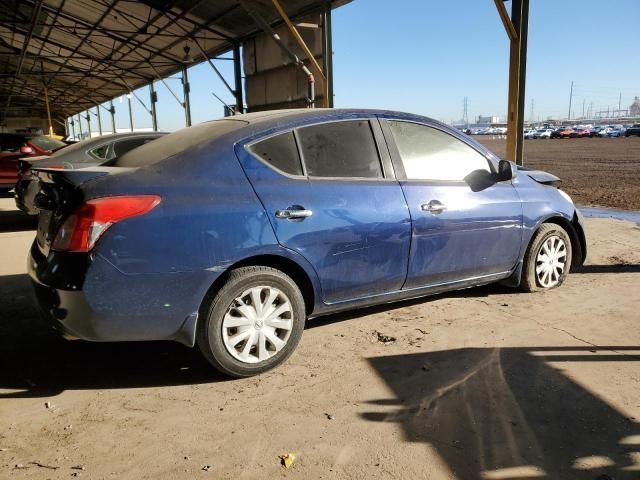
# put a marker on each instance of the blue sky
(425, 56)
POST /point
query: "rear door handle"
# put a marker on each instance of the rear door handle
(434, 206)
(292, 214)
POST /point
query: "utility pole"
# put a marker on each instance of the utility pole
(570, 99)
(584, 101)
(532, 116)
(465, 113)
(620, 104)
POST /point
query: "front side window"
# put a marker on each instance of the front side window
(279, 151)
(124, 146)
(430, 154)
(340, 149)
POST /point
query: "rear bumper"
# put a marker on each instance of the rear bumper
(90, 299)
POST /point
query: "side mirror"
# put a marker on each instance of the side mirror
(27, 150)
(505, 171)
(479, 180)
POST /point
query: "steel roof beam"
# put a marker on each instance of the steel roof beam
(34, 14)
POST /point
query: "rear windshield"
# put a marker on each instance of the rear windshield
(47, 143)
(169, 145)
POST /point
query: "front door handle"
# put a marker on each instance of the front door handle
(434, 206)
(293, 214)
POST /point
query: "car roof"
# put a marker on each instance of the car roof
(252, 125)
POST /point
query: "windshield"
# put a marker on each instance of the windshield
(47, 143)
(169, 145)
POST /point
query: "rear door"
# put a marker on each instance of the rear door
(331, 196)
(458, 233)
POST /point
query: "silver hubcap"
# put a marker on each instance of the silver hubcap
(257, 324)
(551, 261)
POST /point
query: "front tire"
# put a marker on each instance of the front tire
(254, 322)
(547, 260)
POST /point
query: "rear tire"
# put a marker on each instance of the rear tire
(547, 260)
(254, 322)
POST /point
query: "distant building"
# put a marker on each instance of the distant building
(634, 109)
(488, 120)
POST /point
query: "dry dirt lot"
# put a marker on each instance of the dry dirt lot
(487, 383)
(601, 172)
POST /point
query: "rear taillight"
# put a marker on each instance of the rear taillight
(61, 167)
(82, 229)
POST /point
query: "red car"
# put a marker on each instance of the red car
(14, 146)
(582, 132)
(567, 133)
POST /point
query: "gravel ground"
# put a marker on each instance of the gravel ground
(486, 383)
(600, 172)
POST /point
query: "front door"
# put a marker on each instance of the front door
(330, 199)
(458, 234)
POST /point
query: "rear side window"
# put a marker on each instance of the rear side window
(430, 154)
(279, 151)
(100, 152)
(340, 149)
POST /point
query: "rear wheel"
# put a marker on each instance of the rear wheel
(254, 322)
(548, 259)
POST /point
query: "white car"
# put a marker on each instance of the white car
(531, 134)
(543, 133)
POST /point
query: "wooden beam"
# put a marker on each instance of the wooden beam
(506, 21)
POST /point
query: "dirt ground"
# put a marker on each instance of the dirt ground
(601, 172)
(486, 383)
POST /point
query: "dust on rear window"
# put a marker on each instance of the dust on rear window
(174, 143)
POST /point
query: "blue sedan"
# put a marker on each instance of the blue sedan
(232, 233)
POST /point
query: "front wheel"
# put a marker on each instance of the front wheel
(254, 322)
(548, 259)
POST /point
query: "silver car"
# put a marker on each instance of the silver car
(87, 153)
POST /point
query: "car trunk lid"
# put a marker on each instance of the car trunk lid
(60, 193)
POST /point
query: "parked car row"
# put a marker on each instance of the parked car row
(228, 235)
(583, 132)
(16, 146)
(19, 154)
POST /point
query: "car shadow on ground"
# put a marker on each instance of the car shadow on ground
(36, 362)
(483, 291)
(507, 413)
(617, 268)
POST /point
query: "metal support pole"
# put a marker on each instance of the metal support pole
(89, 122)
(305, 49)
(130, 112)
(66, 128)
(154, 99)
(186, 104)
(99, 120)
(517, 79)
(79, 127)
(327, 52)
(73, 128)
(237, 73)
(46, 99)
(112, 110)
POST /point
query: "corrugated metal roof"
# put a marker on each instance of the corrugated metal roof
(88, 51)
